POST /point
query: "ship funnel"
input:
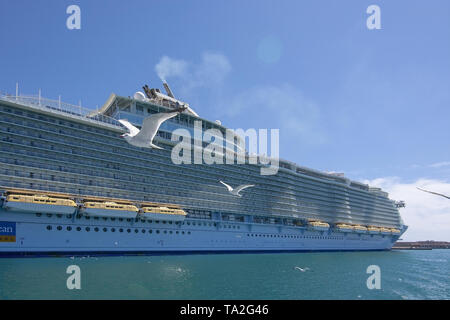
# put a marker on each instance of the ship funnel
(169, 92)
(147, 91)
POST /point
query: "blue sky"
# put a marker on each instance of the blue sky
(371, 103)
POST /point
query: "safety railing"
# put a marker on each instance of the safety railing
(57, 106)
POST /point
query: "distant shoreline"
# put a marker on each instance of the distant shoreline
(421, 245)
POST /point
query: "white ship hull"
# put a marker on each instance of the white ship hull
(62, 235)
(108, 213)
(345, 230)
(317, 228)
(162, 216)
(38, 208)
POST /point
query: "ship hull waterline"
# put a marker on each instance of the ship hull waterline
(65, 235)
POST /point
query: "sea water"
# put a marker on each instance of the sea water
(404, 274)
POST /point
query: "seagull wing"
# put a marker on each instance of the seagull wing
(151, 124)
(244, 186)
(227, 185)
(133, 130)
(438, 194)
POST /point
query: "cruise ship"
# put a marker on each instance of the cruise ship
(71, 184)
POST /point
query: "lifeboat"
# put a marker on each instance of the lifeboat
(39, 204)
(385, 231)
(359, 228)
(319, 225)
(344, 227)
(109, 209)
(395, 231)
(373, 230)
(162, 213)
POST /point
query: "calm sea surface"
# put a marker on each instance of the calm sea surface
(340, 275)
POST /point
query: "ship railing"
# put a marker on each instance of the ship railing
(57, 106)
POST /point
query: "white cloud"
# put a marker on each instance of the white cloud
(168, 67)
(211, 71)
(440, 164)
(427, 215)
(297, 117)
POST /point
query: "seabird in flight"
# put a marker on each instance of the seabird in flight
(144, 138)
(235, 191)
(439, 194)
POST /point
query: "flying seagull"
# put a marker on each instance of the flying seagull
(439, 194)
(301, 269)
(144, 137)
(235, 191)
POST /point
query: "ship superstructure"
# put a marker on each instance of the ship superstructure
(71, 184)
